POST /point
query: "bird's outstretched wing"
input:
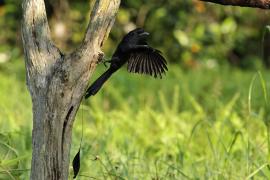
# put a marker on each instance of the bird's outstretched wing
(149, 62)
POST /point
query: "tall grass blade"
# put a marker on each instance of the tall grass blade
(264, 88)
(251, 86)
(251, 176)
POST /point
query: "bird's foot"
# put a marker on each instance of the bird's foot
(100, 57)
(104, 62)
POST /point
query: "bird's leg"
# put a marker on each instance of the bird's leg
(141, 47)
(104, 61)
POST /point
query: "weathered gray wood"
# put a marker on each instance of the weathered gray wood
(57, 83)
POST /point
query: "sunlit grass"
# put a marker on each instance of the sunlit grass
(196, 124)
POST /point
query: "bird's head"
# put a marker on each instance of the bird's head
(136, 36)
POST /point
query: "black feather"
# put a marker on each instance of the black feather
(157, 65)
(149, 62)
(152, 70)
(76, 164)
(148, 71)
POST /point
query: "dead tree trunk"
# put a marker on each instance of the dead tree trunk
(57, 83)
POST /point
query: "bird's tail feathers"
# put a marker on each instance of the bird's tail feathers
(96, 86)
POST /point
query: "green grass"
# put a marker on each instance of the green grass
(197, 124)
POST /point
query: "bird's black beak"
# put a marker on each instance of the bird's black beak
(144, 34)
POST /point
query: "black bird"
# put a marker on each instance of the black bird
(140, 58)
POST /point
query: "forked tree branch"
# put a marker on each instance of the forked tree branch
(263, 4)
(100, 23)
(101, 20)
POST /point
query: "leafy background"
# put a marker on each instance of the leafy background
(207, 119)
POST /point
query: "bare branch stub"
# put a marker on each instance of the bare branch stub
(101, 20)
(262, 4)
(85, 58)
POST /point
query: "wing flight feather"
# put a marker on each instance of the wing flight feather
(147, 62)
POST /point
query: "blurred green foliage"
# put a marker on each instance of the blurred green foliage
(193, 32)
(204, 120)
(204, 123)
(189, 33)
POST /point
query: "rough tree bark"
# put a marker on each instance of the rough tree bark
(263, 4)
(57, 83)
